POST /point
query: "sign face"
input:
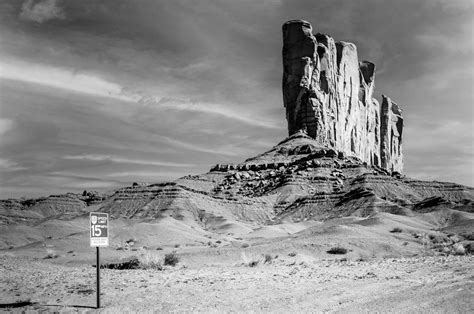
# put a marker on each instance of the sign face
(99, 229)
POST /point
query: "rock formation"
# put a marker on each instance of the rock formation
(328, 93)
(64, 205)
(346, 164)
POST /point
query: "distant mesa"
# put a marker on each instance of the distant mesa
(328, 94)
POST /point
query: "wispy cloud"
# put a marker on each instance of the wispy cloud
(211, 108)
(122, 160)
(7, 165)
(41, 11)
(5, 125)
(63, 78)
(77, 181)
(153, 175)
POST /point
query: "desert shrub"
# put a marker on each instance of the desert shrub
(454, 238)
(178, 217)
(132, 263)
(468, 236)
(337, 250)
(469, 247)
(440, 239)
(51, 254)
(150, 261)
(267, 259)
(250, 261)
(396, 230)
(253, 263)
(171, 259)
(292, 254)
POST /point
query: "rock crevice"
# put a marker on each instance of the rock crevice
(328, 93)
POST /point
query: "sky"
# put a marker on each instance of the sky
(96, 94)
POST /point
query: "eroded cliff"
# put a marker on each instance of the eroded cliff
(328, 93)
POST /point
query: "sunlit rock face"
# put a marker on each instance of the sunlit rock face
(328, 94)
(391, 128)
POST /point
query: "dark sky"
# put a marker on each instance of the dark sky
(98, 94)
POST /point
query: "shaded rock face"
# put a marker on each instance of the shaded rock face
(328, 93)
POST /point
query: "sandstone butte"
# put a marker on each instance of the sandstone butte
(328, 93)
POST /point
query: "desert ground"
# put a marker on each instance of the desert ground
(392, 264)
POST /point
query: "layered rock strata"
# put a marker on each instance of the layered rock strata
(328, 93)
(297, 180)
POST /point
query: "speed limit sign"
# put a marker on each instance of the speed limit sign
(99, 232)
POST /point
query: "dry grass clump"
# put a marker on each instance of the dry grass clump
(337, 250)
(150, 261)
(458, 249)
(253, 261)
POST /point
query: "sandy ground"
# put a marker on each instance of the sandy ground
(442, 284)
(382, 271)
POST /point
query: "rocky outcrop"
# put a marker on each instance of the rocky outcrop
(63, 205)
(297, 180)
(328, 93)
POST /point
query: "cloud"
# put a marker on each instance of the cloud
(7, 165)
(41, 11)
(78, 181)
(59, 78)
(5, 125)
(122, 160)
(210, 108)
(146, 174)
(226, 150)
(446, 151)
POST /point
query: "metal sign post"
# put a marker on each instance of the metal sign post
(99, 236)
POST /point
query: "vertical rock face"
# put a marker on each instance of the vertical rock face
(391, 128)
(328, 93)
